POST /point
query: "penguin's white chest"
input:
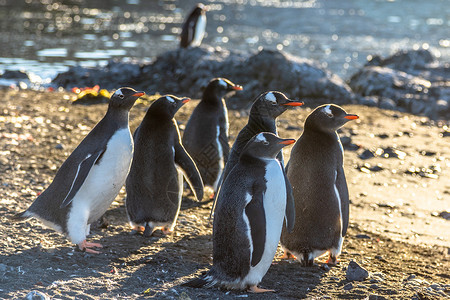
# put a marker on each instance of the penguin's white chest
(199, 31)
(274, 201)
(104, 181)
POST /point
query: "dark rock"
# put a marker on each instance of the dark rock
(362, 236)
(390, 152)
(369, 101)
(387, 103)
(404, 60)
(380, 258)
(355, 272)
(445, 133)
(9, 74)
(445, 215)
(376, 297)
(187, 71)
(59, 146)
(383, 136)
(366, 154)
(348, 286)
(290, 127)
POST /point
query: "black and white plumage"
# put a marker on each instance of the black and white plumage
(316, 173)
(194, 27)
(206, 134)
(90, 179)
(263, 114)
(249, 216)
(155, 183)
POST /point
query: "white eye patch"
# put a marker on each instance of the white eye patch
(327, 111)
(271, 97)
(118, 92)
(223, 84)
(260, 138)
(170, 99)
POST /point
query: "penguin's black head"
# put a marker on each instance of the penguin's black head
(124, 98)
(167, 106)
(328, 118)
(266, 145)
(200, 8)
(220, 87)
(272, 104)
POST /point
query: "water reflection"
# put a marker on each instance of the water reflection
(48, 36)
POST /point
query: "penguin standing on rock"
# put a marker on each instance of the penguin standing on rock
(90, 179)
(263, 114)
(194, 27)
(155, 183)
(206, 134)
(316, 173)
(249, 216)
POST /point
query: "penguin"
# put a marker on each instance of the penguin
(90, 179)
(316, 173)
(206, 134)
(249, 217)
(194, 27)
(263, 114)
(155, 183)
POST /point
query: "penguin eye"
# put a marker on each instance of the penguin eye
(265, 142)
(329, 115)
(121, 96)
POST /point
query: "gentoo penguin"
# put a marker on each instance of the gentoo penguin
(155, 183)
(316, 173)
(91, 177)
(206, 135)
(263, 114)
(249, 216)
(194, 27)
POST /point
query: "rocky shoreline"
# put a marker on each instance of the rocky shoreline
(408, 81)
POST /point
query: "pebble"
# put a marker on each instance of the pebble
(348, 286)
(376, 297)
(366, 154)
(362, 236)
(59, 146)
(355, 272)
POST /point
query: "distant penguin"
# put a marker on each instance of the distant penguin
(263, 114)
(206, 135)
(249, 216)
(194, 27)
(155, 184)
(316, 173)
(91, 177)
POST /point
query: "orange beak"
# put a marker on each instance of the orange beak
(287, 142)
(237, 88)
(294, 103)
(351, 117)
(138, 94)
(185, 100)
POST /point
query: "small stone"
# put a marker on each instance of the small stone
(445, 215)
(59, 146)
(348, 286)
(436, 287)
(411, 277)
(374, 286)
(362, 236)
(366, 154)
(380, 258)
(36, 295)
(376, 297)
(387, 103)
(355, 272)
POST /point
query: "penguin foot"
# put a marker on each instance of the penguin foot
(332, 260)
(137, 230)
(255, 289)
(167, 230)
(85, 246)
(287, 255)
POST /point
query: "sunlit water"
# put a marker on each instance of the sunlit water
(47, 37)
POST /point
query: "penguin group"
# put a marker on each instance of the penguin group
(259, 201)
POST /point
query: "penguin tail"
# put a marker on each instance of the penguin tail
(204, 280)
(20, 216)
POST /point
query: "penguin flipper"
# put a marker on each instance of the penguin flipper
(192, 175)
(223, 140)
(82, 172)
(254, 210)
(341, 185)
(290, 205)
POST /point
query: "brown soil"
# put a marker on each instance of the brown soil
(395, 232)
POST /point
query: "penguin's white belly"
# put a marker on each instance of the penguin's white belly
(102, 184)
(199, 32)
(221, 158)
(274, 201)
